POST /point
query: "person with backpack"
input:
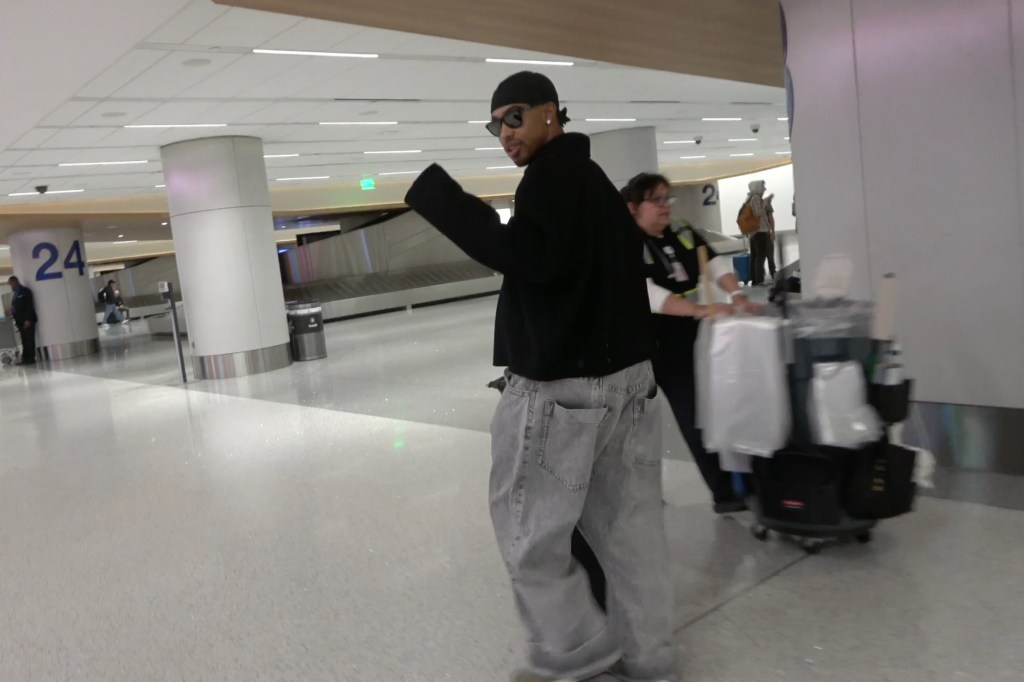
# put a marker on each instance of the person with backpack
(757, 211)
(108, 297)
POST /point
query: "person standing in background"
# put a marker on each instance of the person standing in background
(109, 296)
(23, 310)
(771, 224)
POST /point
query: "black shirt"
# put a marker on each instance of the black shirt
(671, 261)
(573, 302)
(23, 308)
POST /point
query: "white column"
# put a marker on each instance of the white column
(624, 153)
(51, 262)
(700, 205)
(223, 234)
(908, 156)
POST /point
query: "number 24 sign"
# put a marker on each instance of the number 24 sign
(72, 261)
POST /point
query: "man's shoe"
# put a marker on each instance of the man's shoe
(730, 506)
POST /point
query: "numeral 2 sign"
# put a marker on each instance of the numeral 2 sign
(710, 193)
(72, 261)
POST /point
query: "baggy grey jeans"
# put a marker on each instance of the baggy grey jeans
(585, 452)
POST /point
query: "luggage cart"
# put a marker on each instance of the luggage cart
(806, 491)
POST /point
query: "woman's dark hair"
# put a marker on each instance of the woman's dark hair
(641, 186)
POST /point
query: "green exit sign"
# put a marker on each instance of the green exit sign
(367, 184)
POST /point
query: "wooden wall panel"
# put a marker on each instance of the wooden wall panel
(736, 40)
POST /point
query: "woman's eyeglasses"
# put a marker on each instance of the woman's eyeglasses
(662, 200)
(513, 118)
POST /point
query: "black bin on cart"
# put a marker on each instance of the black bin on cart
(306, 326)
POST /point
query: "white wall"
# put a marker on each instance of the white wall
(907, 149)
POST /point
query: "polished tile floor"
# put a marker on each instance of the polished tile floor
(329, 522)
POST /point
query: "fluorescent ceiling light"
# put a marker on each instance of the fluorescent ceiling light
(536, 62)
(279, 156)
(179, 125)
(57, 191)
(401, 173)
(101, 163)
(500, 167)
(786, 138)
(164, 224)
(358, 123)
(480, 122)
(489, 149)
(128, 241)
(741, 155)
(159, 186)
(680, 141)
(783, 153)
(692, 157)
(397, 151)
(120, 236)
(783, 118)
(743, 139)
(307, 53)
(311, 177)
(722, 119)
(610, 120)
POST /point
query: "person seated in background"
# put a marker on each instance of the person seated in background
(673, 272)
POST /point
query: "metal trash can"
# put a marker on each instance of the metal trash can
(306, 326)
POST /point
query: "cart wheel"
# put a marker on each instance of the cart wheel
(812, 546)
(760, 532)
(863, 538)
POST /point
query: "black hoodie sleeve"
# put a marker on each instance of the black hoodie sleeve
(532, 249)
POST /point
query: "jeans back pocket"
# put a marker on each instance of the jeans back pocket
(568, 438)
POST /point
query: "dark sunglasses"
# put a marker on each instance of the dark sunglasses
(513, 118)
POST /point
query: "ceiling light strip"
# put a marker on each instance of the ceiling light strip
(279, 156)
(397, 151)
(721, 118)
(535, 62)
(311, 177)
(38, 194)
(312, 53)
(358, 123)
(178, 125)
(101, 163)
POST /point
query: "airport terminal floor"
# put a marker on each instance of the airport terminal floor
(329, 521)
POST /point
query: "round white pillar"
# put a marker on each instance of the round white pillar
(223, 234)
(625, 153)
(51, 262)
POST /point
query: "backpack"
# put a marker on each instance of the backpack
(748, 221)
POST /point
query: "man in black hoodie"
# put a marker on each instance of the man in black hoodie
(576, 435)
